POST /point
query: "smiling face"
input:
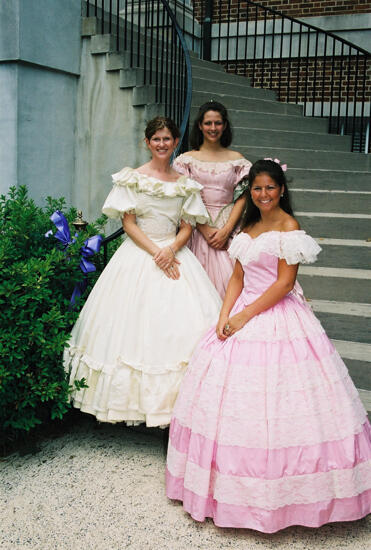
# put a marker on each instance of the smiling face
(265, 193)
(162, 144)
(212, 126)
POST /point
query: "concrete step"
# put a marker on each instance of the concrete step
(251, 119)
(102, 43)
(347, 253)
(335, 225)
(307, 158)
(333, 200)
(123, 60)
(146, 94)
(197, 62)
(129, 78)
(344, 318)
(329, 283)
(231, 88)
(325, 179)
(354, 350)
(267, 137)
(357, 357)
(365, 396)
(247, 104)
(215, 74)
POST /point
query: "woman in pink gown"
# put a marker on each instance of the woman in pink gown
(268, 429)
(221, 171)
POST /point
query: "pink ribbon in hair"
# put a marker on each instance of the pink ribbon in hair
(283, 166)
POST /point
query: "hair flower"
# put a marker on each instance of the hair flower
(283, 166)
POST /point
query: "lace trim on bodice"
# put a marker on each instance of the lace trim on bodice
(182, 187)
(211, 166)
(293, 246)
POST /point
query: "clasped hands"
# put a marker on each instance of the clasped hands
(165, 259)
(227, 326)
(216, 238)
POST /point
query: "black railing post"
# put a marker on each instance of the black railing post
(207, 25)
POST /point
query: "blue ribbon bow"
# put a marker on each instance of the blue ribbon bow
(91, 246)
(63, 231)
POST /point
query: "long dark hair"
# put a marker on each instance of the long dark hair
(274, 170)
(196, 137)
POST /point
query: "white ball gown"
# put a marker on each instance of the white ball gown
(268, 429)
(138, 328)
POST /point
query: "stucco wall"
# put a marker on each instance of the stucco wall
(8, 126)
(109, 132)
(39, 68)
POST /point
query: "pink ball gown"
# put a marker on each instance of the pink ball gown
(268, 429)
(222, 185)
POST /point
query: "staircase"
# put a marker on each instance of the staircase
(331, 190)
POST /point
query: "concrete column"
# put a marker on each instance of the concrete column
(39, 69)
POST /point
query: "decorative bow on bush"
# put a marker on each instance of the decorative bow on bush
(63, 231)
(91, 246)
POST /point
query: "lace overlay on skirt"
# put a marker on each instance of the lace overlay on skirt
(268, 429)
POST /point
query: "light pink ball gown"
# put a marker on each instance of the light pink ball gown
(222, 185)
(268, 429)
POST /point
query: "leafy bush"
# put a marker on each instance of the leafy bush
(36, 283)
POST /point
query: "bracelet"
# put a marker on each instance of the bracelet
(172, 251)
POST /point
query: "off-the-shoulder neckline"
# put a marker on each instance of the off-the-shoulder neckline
(272, 231)
(219, 162)
(130, 177)
(181, 176)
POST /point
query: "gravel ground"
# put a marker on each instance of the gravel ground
(101, 487)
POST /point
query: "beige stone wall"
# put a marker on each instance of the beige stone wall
(109, 132)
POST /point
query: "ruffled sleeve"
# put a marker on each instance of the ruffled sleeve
(242, 171)
(194, 210)
(298, 248)
(123, 196)
(181, 166)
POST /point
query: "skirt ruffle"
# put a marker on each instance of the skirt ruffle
(268, 429)
(135, 335)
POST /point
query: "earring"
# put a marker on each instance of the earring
(281, 195)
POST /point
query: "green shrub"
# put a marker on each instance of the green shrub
(36, 283)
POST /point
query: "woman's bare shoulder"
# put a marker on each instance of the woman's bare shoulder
(289, 223)
(233, 155)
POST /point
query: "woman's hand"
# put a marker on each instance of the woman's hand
(236, 322)
(220, 328)
(172, 271)
(206, 231)
(219, 238)
(165, 258)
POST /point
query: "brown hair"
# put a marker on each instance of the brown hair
(273, 170)
(196, 138)
(159, 123)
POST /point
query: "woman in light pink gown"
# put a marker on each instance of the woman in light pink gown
(222, 173)
(268, 429)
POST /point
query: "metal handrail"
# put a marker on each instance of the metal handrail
(188, 99)
(107, 240)
(313, 27)
(150, 27)
(337, 89)
(173, 86)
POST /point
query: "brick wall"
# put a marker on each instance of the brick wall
(294, 8)
(315, 77)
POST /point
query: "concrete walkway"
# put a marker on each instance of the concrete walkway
(101, 487)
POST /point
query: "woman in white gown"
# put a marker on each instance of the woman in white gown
(138, 328)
